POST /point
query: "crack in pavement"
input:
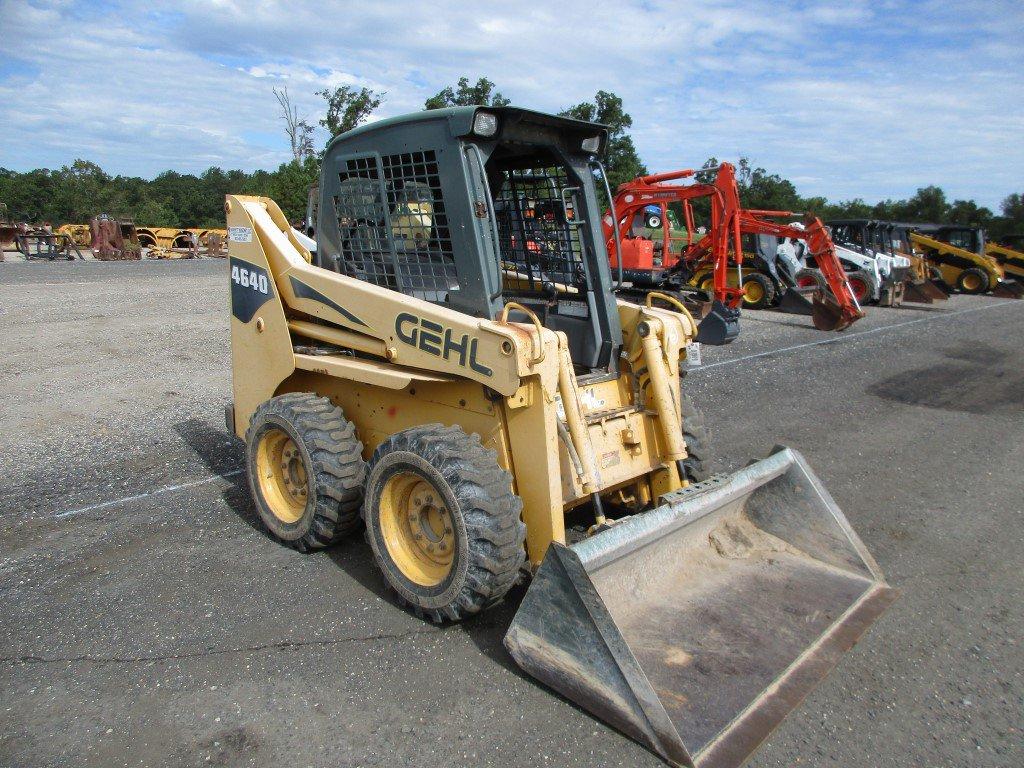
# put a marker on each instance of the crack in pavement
(279, 646)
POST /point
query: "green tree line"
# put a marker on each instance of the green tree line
(76, 193)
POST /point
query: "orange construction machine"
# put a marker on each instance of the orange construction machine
(715, 261)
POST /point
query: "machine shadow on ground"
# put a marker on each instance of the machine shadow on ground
(222, 454)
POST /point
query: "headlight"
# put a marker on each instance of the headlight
(485, 124)
(591, 145)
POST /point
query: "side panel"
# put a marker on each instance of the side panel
(533, 437)
(261, 346)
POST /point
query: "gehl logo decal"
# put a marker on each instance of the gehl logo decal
(435, 339)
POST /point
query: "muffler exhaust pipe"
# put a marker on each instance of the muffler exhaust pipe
(696, 627)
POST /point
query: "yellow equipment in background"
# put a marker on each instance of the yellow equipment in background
(1010, 259)
(962, 264)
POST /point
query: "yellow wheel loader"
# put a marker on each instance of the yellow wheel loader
(1010, 258)
(483, 429)
(958, 252)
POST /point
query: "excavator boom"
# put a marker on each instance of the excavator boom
(833, 311)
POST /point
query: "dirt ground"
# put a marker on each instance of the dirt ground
(147, 620)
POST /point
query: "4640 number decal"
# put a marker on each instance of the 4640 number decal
(251, 288)
(250, 278)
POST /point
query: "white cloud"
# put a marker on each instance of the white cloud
(853, 99)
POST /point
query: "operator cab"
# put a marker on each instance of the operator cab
(966, 238)
(472, 208)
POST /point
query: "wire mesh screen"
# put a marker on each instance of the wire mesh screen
(393, 225)
(537, 240)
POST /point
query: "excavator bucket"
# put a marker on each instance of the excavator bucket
(696, 627)
(795, 301)
(827, 315)
(719, 326)
(1008, 289)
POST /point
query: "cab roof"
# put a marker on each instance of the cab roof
(460, 121)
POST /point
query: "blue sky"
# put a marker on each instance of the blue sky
(847, 99)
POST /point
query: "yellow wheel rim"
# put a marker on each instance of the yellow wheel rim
(282, 475)
(417, 528)
(753, 292)
(972, 282)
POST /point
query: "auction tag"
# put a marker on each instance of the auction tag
(240, 234)
(693, 355)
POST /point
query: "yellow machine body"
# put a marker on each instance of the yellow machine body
(625, 432)
(951, 261)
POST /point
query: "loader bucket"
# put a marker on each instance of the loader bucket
(1008, 289)
(696, 627)
(795, 302)
(719, 326)
(923, 291)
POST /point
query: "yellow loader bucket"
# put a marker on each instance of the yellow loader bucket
(696, 627)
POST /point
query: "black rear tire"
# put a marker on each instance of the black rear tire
(973, 280)
(324, 446)
(764, 289)
(697, 439)
(864, 286)
(480, 522)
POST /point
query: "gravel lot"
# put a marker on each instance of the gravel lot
(147, 621)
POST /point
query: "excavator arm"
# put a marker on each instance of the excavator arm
(721, 324)
(830, 312)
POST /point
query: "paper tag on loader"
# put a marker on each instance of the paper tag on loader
(240, 234)
(693, 355)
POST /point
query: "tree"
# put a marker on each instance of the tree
(289, 187)
(766, 191)
(623, 163)
(300, 132)
(969, 212)
(1013, 207)
(466, 95)
(347, 107)
(927, 205)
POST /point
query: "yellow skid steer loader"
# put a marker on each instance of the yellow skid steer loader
(447, 365)
(958, 252)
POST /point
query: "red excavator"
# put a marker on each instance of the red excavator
(651, 265)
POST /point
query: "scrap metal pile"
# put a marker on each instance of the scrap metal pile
(108, 238)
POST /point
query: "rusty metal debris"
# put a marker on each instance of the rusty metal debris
(113, 239)
(43, 243)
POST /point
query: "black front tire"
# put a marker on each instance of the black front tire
(697, 439)
(477, 495)
(868, 286)
(766, 294)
